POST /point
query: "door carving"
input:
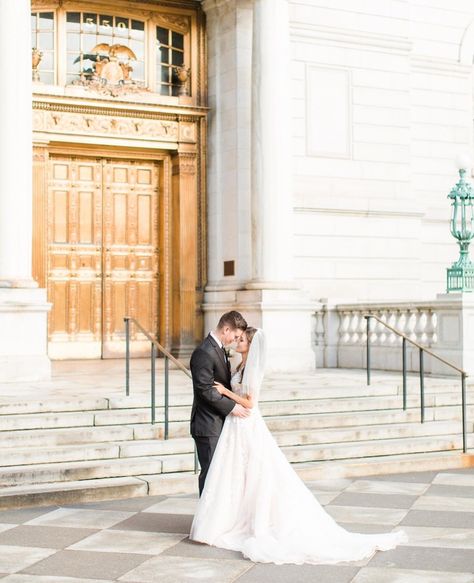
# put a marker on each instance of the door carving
(102, 254)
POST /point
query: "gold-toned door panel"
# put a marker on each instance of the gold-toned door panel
(130, 253)
(102, 255)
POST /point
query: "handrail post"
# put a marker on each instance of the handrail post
(368, 349)
(464, 412)
(127, 356)
(166, 396)
(153, 359)
(422, 386)
(404, 360)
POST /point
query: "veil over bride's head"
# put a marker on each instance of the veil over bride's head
(255, 365)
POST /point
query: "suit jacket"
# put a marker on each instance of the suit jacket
(210, 408)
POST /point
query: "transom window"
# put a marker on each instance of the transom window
(169, 53)
(95, 37)
(104, 49)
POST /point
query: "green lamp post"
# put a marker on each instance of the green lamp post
(460, 276)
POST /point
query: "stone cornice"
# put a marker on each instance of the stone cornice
(440, 66)
(121, 108)
(315, 32)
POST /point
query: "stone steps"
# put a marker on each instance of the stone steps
(128, 447)
(74, 492)
(133, 416)
(77, 449)
(157, 457)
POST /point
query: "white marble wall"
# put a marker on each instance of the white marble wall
(371, 213)
(381, 109)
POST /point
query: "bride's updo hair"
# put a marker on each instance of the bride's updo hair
(250, 333)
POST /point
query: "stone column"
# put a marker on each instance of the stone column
(270, 146)
(23, 307)
(272, 300)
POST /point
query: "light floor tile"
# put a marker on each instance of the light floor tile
(4, 527)
(366, 515)
(382, 487)
(13, 559)
(20, 578)
(325, 497)
(442, 537)
(331, 485)
(174, 506)
(374, 575)
(444, 503)
(186, 570)
(81, 518)
(455, 479)
(128, 541)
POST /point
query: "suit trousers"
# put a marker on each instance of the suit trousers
(206, 447)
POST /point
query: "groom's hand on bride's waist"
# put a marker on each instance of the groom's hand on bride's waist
(240, 411)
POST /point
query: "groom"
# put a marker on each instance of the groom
(209, 363)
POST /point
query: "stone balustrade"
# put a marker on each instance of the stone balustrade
(444, 325)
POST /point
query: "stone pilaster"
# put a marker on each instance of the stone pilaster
(250, 196)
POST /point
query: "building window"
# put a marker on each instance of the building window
(169, 54)
(112, 53)
(42, 39)
(94, 39)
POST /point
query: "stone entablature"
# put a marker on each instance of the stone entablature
(79, 118)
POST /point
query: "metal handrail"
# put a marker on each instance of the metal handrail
(422, 350)
(155, 346)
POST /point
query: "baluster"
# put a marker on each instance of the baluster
(411, 324)
(319, 329)
(344, 321)
(354, 326)
(420, 328)
(392, 321)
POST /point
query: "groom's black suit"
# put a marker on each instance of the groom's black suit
(210, 408)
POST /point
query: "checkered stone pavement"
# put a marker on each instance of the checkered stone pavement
(144, 540)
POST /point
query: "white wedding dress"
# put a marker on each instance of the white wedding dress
(254, 502)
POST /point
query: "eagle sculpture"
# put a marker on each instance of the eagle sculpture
(112, 52)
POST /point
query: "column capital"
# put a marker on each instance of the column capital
(211, 5)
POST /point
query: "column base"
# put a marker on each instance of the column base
(285, 316)
(23, 341)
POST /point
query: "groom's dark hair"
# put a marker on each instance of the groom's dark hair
(233, 320)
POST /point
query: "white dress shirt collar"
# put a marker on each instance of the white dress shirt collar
(219, 343)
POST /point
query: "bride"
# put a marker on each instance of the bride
(254, 502)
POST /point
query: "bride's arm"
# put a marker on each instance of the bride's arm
(246, 401)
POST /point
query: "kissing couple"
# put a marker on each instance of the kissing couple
(251, 499)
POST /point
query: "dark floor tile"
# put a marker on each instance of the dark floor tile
(416, 477)
(188, 548)
(48, 537)
(426, 558)
(22, 515)
(374, 500)
(439, 518)
(450, 490)
(298, 574)
(127, 505)
(157, 522)
(87, 565)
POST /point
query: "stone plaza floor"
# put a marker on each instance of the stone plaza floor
(145, 540)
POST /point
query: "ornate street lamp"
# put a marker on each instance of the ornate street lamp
(461, 273)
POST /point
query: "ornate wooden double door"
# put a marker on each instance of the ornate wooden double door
(103, 256)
